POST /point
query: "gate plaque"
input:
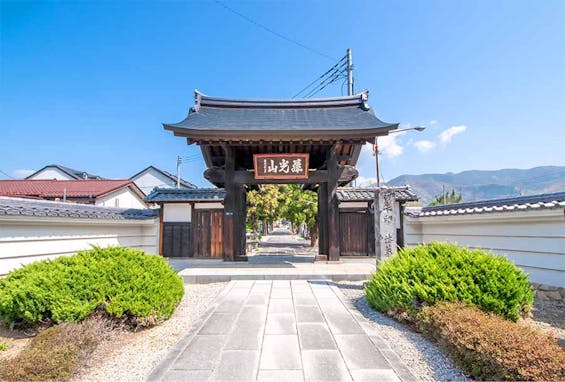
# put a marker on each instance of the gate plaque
(281, 166)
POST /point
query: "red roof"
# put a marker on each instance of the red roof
(56, 188)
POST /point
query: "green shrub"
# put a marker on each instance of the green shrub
(126, 283)
(489, 347)
(438, 272)
(3, 346)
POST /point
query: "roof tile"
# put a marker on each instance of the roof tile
(520, 203)
(41, 208)
(57, 188)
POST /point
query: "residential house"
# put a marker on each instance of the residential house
(109, 193)
(152, 177)
(58, 172)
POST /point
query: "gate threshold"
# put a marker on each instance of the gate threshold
(202, 272)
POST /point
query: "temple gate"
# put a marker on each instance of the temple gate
(313, 142)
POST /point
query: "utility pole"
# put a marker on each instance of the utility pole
(179, 161)
(349, 73)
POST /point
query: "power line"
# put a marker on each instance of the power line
(324, 84)
(340, 65)
(258, 24)
(9, 176)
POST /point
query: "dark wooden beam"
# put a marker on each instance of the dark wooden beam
(333, 206)
(217, 175)
(323, 219)
(229, 205)
(207, 154)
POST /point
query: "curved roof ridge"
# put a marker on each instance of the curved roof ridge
(354, 100)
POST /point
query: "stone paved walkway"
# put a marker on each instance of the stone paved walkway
(282, 330)
(280, 256)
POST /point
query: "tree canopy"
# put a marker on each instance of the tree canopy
(447, 198)
(275, 202)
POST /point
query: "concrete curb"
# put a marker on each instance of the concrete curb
(214, 278)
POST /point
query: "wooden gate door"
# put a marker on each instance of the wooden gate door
(207, 233)
(354, 227)
(217, 233)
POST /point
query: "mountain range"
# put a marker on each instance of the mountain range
(483, 185)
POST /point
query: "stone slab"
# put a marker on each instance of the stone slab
(201, 354)
(324, 365)
(218, 323)
(280, 376)
(385, 375)
(308, 314)
(280, 352)
(359, 352)
(315, 336)
(306, 300)
(237, 365)
(187, 375)
(280, 323)
(281, 306)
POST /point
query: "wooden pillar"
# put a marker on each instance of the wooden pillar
(333, 207)
(229, 205)
(161, 208)
(240, 215)
(323, 219)
(370, 230)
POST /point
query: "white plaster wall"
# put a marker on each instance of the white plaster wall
(208, 206)
(122, 198)
(27, 239)
(353, 204)
(533, 240)
(150, 179)
(52, 173)
(177, 212)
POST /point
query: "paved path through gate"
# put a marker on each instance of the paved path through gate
(282, 331)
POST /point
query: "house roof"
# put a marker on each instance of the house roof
(214, 118)
(352, 194)
(183, 182)
(26, 207)
(76, 174)
(520, 203)
(186, 195)
(38, 188)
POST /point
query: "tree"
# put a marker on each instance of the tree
(301, 207)
(274, 202)
(264, 206)
(446, 198)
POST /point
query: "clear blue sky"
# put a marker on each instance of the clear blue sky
(88, 84)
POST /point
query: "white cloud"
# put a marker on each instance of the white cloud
(362, 181)
(424, 146)
(446, 135)
(432, 122)
(22, 173)
(389, 146)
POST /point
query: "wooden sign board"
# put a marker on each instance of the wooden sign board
(281, 166)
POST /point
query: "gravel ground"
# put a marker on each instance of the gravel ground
(132, 356)
(549, 316)
(424, 358)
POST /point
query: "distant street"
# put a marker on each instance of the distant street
(281, 245)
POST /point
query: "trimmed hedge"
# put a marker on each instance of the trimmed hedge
(126, 283)
(489, 347)
(436, 272)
